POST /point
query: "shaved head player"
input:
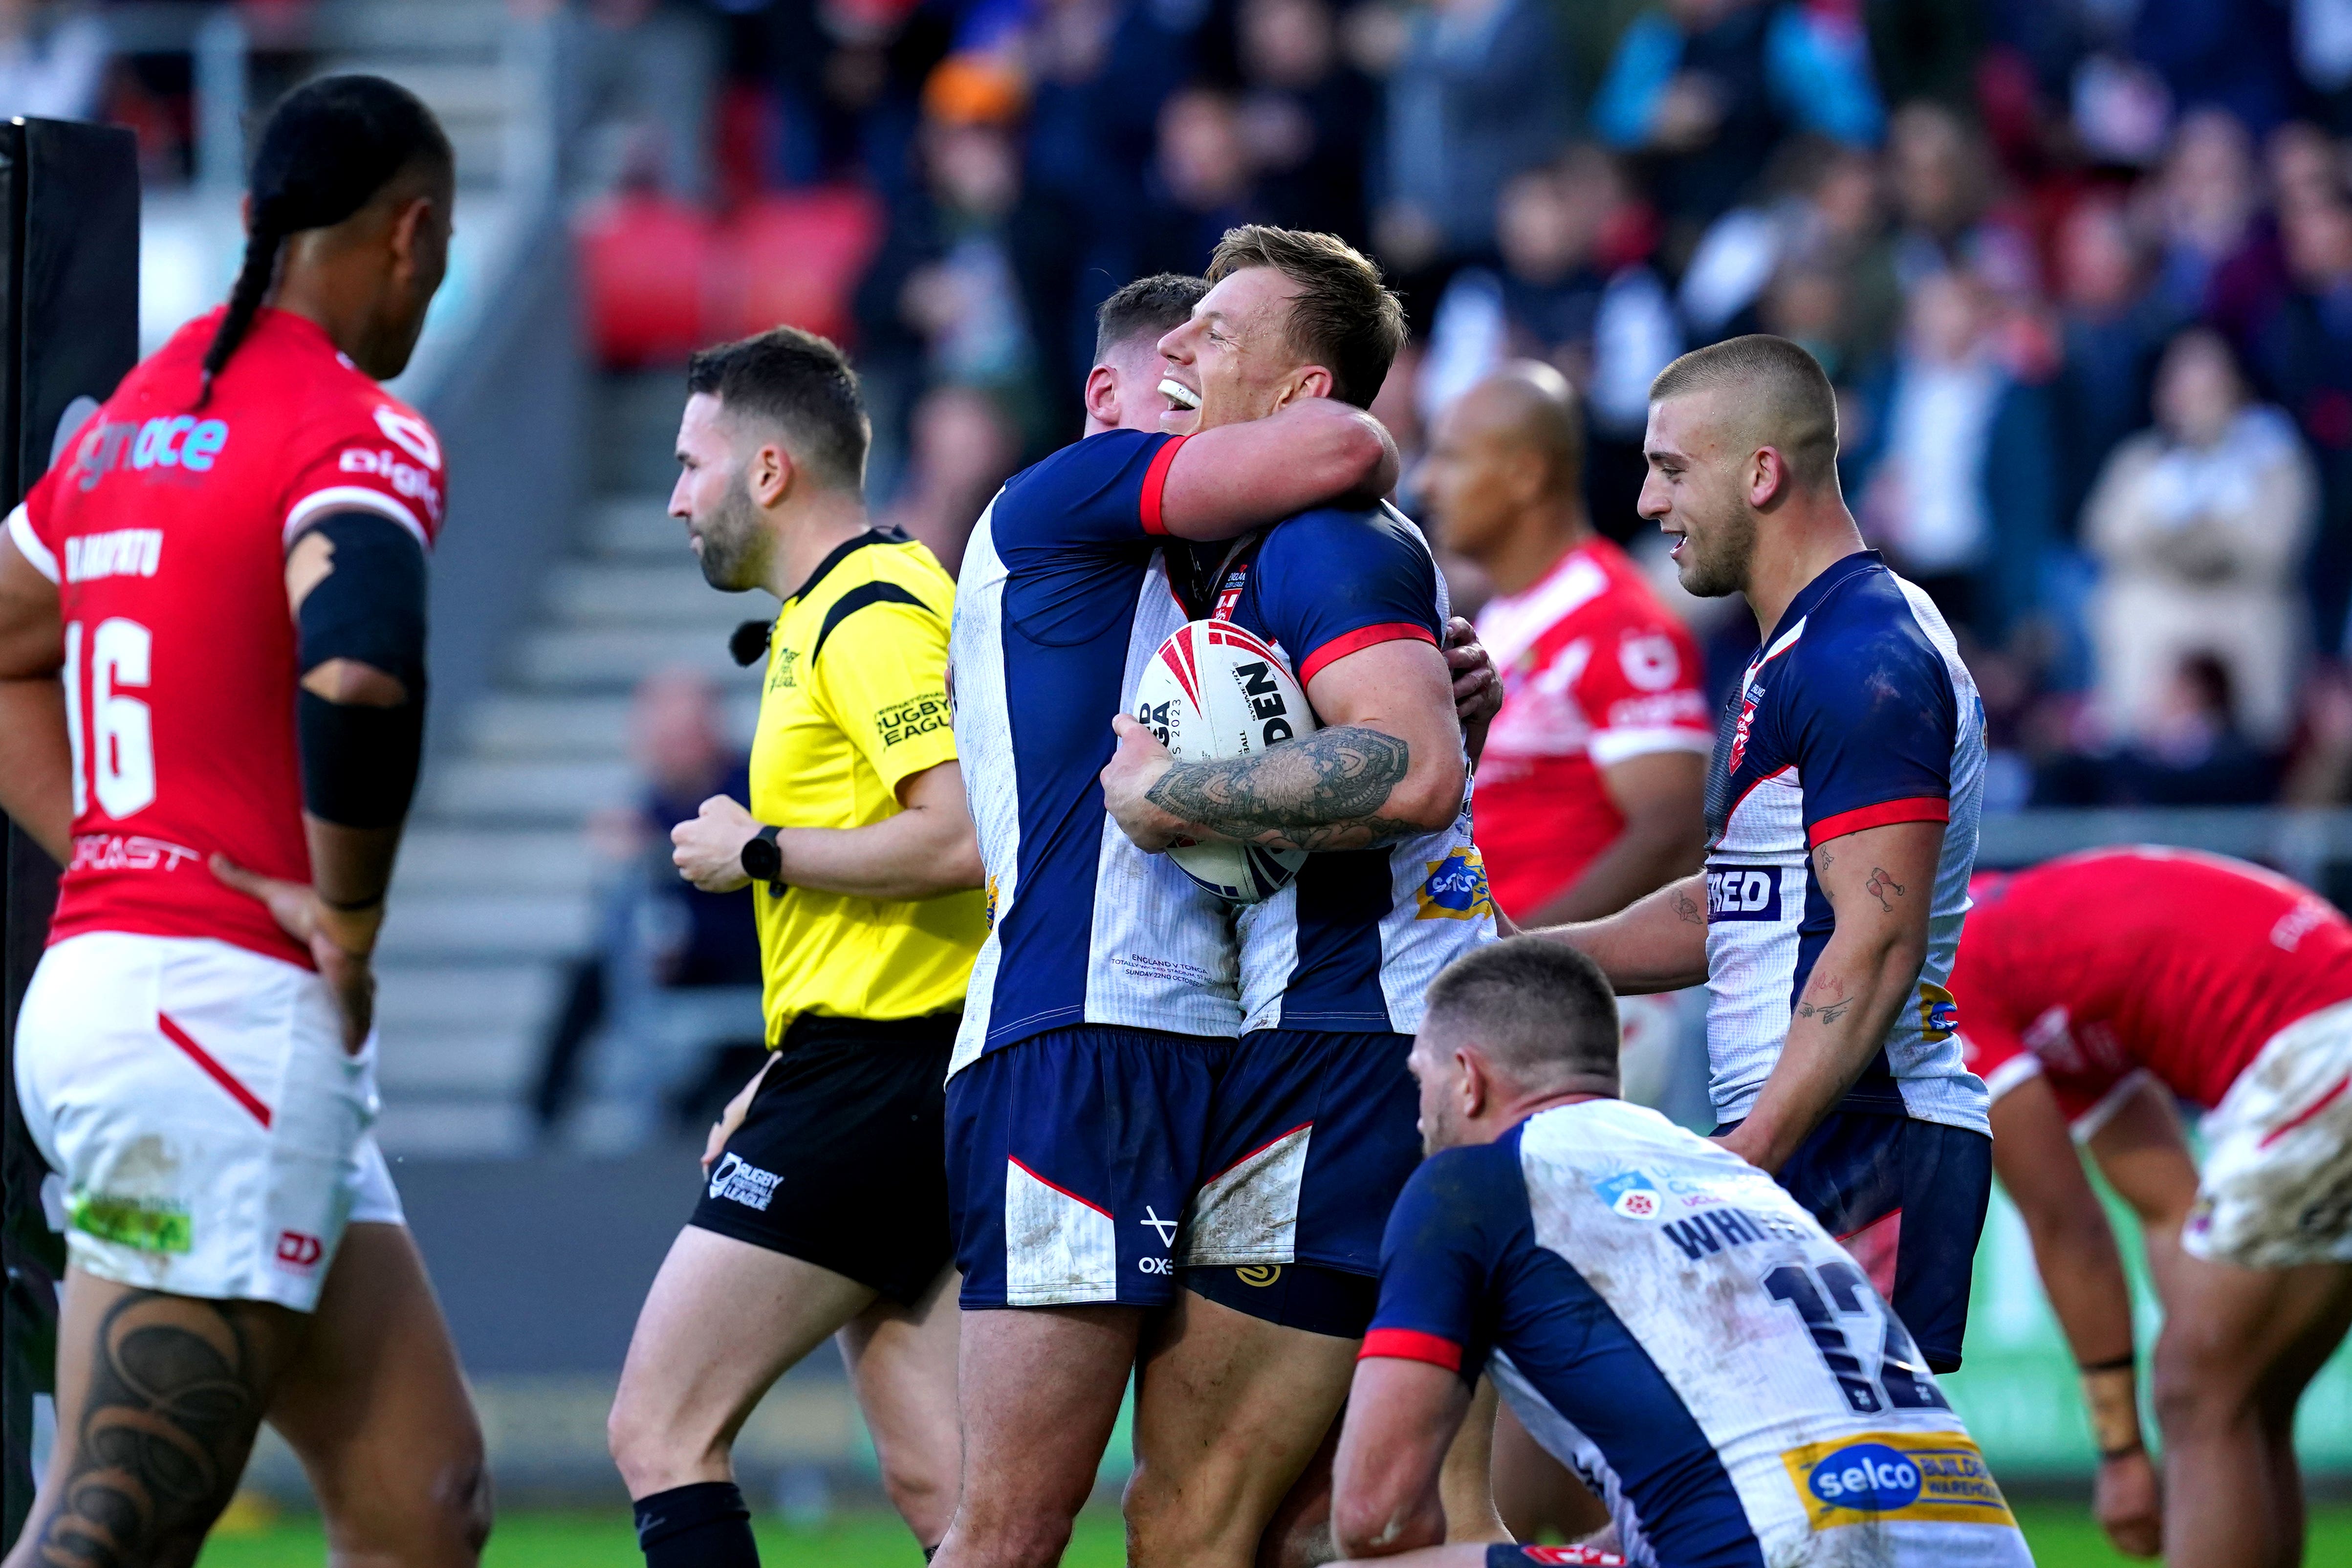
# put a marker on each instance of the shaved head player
(1842, 826)
(212, 654)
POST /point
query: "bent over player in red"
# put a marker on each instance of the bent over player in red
(2091, 991)
(212, 639)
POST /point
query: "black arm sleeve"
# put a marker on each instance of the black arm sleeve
(359, 762)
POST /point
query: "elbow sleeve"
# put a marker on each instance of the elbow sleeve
(359, 760)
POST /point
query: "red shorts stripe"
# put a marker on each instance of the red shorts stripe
(2306, 1114)
(211, 1063)
(1155, 482)
(1919, 808)
(1359, 639)
(1411, 1344)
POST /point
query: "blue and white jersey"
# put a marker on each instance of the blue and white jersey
(1667, 1322)
(1353, 943)
(1856, 713)
(1061, 603)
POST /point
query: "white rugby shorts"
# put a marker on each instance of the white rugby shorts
(2277, 1186)
(211, 1131)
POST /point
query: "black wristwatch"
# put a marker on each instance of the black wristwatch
(762, 861)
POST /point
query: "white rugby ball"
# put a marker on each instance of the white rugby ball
(1214, 691)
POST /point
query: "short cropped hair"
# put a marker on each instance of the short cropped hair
(1344, 318)
(1541, 1010)
(798, 381)
(1157, 304)
(1783, 392)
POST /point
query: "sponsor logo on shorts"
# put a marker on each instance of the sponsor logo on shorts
(988, 914)
(735, 1182)
(1455, 888)
(147, 1225)
(924, 715)
(1743, 893)
(1939, 1015)
(1258, 1275)
(1630, 1194)
(1873, 1477)
(298, 1251)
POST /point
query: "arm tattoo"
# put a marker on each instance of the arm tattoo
(1833, 1000)
(1688, 908)
(1880, 885)
(1324, 791)
(173, 1403)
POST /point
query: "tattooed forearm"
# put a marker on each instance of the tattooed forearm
(1323, 792)
(1687, 908)
(173, 1406)
(1824, 999)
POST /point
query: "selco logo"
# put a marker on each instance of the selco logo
(988, 914)
(1870, 1477)
(1630, 1194)
(1455, 888)
(1939, 1015)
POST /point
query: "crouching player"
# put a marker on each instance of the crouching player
(2092, 991)
(1661, 1316)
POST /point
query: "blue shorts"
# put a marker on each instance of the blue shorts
(1310, 1140)
(1071, 1156)
(1907, 1197)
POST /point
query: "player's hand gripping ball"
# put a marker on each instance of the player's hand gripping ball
(1213, 692)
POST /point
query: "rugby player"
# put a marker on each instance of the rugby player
(212, 651)
(1311, 1129)
(1841, 819)
(825, 1207)
(1589, 788)
(2094, 990)
(1663, 1317)
(1105, 1001)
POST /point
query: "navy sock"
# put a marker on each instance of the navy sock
(704, 1525)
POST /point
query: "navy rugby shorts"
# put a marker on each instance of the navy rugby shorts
(1071, 1158)
(1311, 1137)
(1908, 1198)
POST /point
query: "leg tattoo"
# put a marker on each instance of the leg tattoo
(171, 1415)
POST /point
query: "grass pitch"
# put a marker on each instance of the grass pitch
(2062, 1536)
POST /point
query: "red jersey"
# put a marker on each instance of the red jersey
(2094, 968)
(165, 528)
(1595, 670)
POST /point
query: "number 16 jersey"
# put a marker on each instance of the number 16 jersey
(165, 527)
(1665, 1321)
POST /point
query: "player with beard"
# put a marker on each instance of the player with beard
(211, 667)
(825, 1209)
(1841, 821)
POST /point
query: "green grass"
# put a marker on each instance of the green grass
(2062, 1537)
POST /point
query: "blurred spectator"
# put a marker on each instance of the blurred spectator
(2112, 326)
(2236, 56)
(1926, 49)
(1705, 86)
(1306, 117)
(677, 973)
(2192, 750)
(1201, 183)
(1959, 484)
(2206, 198)
(963, 447)
(1943, 181)
(2304, 353)
(2323, 52)
(1478, 95)
(641, 74)
(52, 60)
(2199, 526)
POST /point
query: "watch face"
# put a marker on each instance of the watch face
(761, 860)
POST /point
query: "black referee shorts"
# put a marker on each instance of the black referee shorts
(841, 1160)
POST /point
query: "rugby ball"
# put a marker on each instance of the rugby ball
(1214, 691)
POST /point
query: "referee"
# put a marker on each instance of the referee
(825, 1208)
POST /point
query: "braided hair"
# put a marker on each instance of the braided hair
(329, 147)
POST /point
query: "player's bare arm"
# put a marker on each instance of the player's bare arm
(2144, 1154)
(1226, 481)
(1660, 794)
(2083, 1274)
(355, 588)
(1389, 765)
(36, 761)
(1402, 1418)
(926, 850)
(1657, 943)
(1881, 884)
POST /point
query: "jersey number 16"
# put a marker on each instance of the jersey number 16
(114, 751)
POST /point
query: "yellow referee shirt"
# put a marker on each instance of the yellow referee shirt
(856, 703)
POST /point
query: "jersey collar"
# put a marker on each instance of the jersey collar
(1814, 593)
(846, 549)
